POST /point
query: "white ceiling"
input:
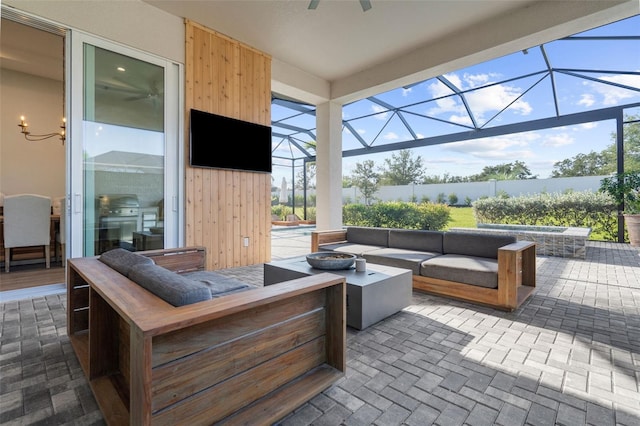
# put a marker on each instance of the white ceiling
(339, 52)
(336, 39)
(31, 51)
(396, 42)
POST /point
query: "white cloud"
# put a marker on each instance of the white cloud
(586, 100)
(476, 80)
(482, 102)
(361, 131)
(391, 136)
(587, 126)
(461, 119)
(381, 112)
(557, 140)
(498, 148)
(456, 161)
(495, 98)
(405, 92)
(612, 95)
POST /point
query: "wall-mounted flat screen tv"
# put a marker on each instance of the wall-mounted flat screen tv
(227, 143)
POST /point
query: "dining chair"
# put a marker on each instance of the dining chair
(27, 223)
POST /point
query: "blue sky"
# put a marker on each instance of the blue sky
(490, 91)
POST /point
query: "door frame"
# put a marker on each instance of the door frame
(173, 136)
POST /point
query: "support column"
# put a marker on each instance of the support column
(329, 166)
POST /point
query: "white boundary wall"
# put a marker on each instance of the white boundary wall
(476, 190)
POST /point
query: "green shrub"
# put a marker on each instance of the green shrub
(581, 209)
(395, 214)
(311, 213)
(453, 199)
(281, 211)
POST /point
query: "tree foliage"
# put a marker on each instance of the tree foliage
(366, 179)
(310, 169)
(591, 164)
(402, 169)
(604, 162)
(506, 171)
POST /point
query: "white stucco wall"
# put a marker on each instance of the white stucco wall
(475, 190)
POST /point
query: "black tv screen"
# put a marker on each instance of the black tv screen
(227, 143)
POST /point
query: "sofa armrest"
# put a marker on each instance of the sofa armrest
(319, 238)
(516, 272)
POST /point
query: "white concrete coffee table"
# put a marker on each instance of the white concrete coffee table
(372, 295)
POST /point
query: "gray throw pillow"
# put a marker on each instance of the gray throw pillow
(122, 260)
(168, 285)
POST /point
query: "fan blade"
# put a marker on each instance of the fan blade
(313, 4)
(128, 83)
(137, 98)
(366, 5)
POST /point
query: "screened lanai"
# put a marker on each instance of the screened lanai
(532, 105)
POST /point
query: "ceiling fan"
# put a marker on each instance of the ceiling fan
(151, 95)
(365, 4)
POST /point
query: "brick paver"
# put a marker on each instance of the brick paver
(570, 355)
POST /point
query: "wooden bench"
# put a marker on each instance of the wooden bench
(245, 358)
(516, 274)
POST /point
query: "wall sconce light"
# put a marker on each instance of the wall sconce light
(30, 137)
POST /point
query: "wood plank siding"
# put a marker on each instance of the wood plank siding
(226, 77)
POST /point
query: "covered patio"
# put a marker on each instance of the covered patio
(570, 355)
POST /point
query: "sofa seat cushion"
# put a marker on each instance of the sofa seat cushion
(123, 260)
(368, 236)
(218, 284)
(351, 248)
(417, 240)
(478, 245)
(399, 258)
(169, 286)
(479, 271)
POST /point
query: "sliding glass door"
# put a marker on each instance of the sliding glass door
(124, 151)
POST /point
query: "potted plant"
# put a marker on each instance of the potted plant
(624, 188)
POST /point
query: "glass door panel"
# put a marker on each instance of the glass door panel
(123, 152)
(119, 170)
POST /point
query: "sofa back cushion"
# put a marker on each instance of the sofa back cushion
(168, 285)
(470, 244)
(123, 260)
(413, 239)
(368, 236)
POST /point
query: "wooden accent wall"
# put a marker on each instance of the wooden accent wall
(225, 77)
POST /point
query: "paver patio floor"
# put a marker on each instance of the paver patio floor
(570, 355)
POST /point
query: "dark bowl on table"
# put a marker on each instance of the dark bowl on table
(330, 260)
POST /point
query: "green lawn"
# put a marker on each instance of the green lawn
(462, 217)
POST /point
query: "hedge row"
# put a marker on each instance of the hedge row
(593, 210)
(397, 214)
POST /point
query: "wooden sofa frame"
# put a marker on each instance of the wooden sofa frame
(245, 358)
(516, 274)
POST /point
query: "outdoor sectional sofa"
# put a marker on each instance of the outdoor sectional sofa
(164, 342)
(494, 270)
